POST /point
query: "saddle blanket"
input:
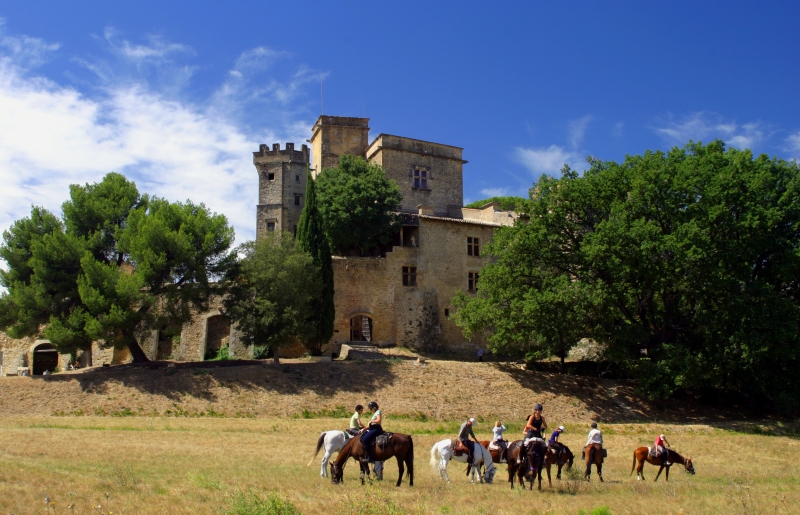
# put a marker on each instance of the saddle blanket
(493, 446)
(534, 439)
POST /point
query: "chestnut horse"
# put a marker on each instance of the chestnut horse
(496, 456)
(400, 446)
(551, 458)
(642, 454)
(531, 464)
(593, 453)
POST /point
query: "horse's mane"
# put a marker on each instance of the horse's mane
(345, 453)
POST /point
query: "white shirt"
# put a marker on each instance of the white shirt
(595, 436)
(498, 432)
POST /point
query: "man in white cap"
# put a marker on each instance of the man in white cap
(463, 435)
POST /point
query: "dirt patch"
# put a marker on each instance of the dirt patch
(438, 389)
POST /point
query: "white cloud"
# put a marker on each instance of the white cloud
(54, 135)
(793, 145)
(577, 128)
(496, 192)
(704, 126)
(549, 160)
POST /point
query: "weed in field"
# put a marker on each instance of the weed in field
(123, 476)
(337, 412)
(251, 503)
(203, 481)
(572, 481)
(124, 412)
(602, 510)
(369, 501)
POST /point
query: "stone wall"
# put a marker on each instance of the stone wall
(277, 197)
(398, 156)
(333, 136)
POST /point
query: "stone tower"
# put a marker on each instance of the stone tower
(333, 136)
(281, 187)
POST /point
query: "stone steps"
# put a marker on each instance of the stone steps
(361, 350)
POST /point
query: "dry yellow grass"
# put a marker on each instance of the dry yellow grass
(189, 465)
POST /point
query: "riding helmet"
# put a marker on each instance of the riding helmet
(359, 407)
(563, 429)
(472, 420)
(372, 405)
(538, 407)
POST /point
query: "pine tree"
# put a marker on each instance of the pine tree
(312, 239)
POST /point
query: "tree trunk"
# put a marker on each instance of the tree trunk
(562, 354)
(275, 358)
(137, 353)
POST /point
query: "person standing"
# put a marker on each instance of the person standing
(373, 430)
(480, 355)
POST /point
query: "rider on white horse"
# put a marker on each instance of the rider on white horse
(464, 433)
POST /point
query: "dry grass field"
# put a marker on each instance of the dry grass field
(198, 465)
(196, 440)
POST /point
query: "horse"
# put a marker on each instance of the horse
(642, 454)
(442, 453)
(497, 457)
(531, 464)
(333, 441)
(399, 445)
(593, 453)
(551, 458)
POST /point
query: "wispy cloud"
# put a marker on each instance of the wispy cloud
(496, 192)
(577, 129)
(704, 126)
(549, 160)
(54, 134)
(793, 145)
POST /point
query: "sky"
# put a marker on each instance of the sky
(176, 95)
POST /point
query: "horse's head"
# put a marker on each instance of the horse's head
(488, 475)
(336, 473)
(570, 459)
(689, 466)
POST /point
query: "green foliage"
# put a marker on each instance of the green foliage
(506, 203)
(270, 298)
(118, 260)
(602, 510)
(251, 503)
(311, 238)
(221, 355)
(692, 255)
(358, 203)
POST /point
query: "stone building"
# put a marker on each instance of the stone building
(401, 297)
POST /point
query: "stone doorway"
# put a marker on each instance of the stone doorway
(45, 357)
(218, 332)
(361, 329)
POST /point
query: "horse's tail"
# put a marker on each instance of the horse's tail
(434, 455)
(633, 465)
(319, 446)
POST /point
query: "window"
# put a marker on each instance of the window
(270, 226)
(420, 178)
(270, 176)
(297, 199)
(472, 282)
(473, 246)
(409, 276)
(297, 178)
(446, 313)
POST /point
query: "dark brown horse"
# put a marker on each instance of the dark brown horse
(593, 453)
(400, 446)
(531, 464)
(642, 454)
(551, 458)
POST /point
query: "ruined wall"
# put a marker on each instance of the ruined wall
(15, 353)
(398, 156)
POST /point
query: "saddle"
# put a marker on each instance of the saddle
(493, 446)
(653, 453)
(382, 440)
(458, 447)
(350, 432)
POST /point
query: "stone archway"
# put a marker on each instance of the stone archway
(218, 331)
(45, 357)
(361, 328)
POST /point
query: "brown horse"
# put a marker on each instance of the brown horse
(530, 466)
(496, 456)
(642, 454)
(593, 453)
(400, 446)
(551, 458)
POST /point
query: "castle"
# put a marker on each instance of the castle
(400, 296)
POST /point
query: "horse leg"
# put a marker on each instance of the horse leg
(325, 458)
(549, 480)
(659, 472)
(600, 471)
(401, 470)
(666, 477)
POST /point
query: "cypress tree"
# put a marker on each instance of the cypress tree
(312, 239)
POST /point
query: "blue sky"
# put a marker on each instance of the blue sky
(177, 95)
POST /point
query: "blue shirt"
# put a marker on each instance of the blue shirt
(554, 437)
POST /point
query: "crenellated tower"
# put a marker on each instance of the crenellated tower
(281, 187)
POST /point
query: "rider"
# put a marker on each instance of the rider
(355, 421)
(533, 429)
(498, 440)
(464, 433)
(595, 437)
(553, 442)
(661, 447)
(373, 430)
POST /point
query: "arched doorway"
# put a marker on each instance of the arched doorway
(361, 329)
(45, 357)
(218, 330)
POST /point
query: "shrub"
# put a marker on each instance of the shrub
(251, 503)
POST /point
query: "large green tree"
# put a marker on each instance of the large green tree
(358, 205)
(272, 293)
(691, 256)
(117, 262)
(311, 238)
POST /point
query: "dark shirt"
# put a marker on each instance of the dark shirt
(465, 431)
(554, 437)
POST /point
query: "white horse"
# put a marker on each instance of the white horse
(442, 453)
(333, 442)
